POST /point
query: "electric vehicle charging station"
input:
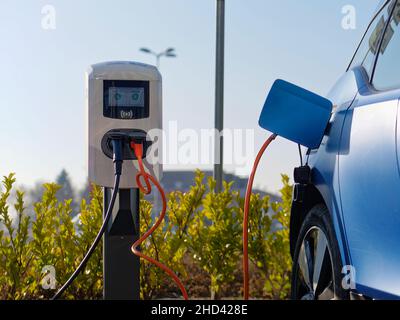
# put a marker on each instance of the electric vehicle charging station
(124, 102)
(124, 116)
(123, 98)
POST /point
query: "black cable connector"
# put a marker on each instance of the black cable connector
(117, 145)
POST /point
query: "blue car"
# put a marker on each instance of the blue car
(345, 222)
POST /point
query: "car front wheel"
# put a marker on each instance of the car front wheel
(316, 273)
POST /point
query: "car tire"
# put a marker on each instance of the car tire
(317, 266)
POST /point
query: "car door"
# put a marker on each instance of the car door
(369, 178)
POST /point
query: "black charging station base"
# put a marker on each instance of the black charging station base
(121, 268)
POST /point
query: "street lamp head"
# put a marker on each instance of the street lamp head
(145, 50)
(170, 55)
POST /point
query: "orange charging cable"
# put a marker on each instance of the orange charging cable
(142, 174)
(246, 217)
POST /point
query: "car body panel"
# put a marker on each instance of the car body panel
(324, 161)
(368, 179)
(363, 134)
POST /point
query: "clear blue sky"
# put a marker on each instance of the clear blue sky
(42, 85)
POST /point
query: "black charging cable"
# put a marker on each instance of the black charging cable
(118, 160)
(300, 154)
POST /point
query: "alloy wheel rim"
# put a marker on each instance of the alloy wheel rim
(315, 274)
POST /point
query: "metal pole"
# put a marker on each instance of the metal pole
(219, 95)
(121, 268)
(158, 61)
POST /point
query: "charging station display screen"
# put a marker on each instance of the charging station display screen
(126, 99)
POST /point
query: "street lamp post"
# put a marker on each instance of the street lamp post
(169, 53)
(219, 95)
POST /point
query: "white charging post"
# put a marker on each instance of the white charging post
(124, 101)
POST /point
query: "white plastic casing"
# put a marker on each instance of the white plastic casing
(100, 167)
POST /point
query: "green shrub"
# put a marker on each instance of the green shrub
(269, 241)
(15, 254)
(202, 232)
(214, 236)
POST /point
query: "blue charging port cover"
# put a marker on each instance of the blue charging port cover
(296, 114)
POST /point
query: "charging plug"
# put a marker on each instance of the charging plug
(117, 146)
(137, 147)
(127, 136)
